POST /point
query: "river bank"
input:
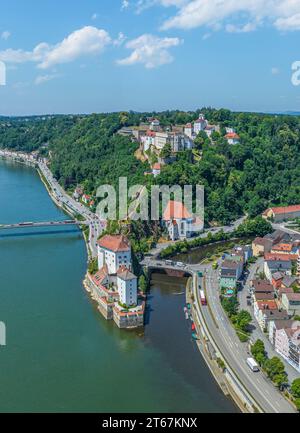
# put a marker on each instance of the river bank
(61, 355)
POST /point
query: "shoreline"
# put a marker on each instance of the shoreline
(125, 320)
(34, 165)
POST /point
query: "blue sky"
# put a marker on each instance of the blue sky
(109, 55)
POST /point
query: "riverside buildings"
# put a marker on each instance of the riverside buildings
(115, 287)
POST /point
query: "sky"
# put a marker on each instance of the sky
(144, 55)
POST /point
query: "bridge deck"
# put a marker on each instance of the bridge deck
(41, 224)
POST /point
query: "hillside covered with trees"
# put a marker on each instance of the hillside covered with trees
(263, 170)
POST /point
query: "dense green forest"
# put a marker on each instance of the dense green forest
(263, 169)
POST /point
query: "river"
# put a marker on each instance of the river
(61, 355)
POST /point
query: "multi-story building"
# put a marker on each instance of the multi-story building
(272, 266)
(155, 125)
(127, 287)
(291, 303)
(262, 311)
(275, 326)
(200, 124)
(114, 287)
(114, 252)
(286, 341)
(189, 130)
(260, 246)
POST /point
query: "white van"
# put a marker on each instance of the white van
(253, 365)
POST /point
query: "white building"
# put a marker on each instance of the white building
(200, 124)
(189, 130)
(127, 287)
(148, 140)
(179, 222)
(114, 252)
(155, 125)
(156, 169)
(232, 138)
(209, 130)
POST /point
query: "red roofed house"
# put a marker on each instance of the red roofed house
(282, 248)
(260, 311)
(156, 169)
(232, 138)
(115, 252)
(180, 223)
(279, 214)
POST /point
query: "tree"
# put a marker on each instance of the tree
(258, 352)
(166, 151)
(93, 266)
(275, 370)
(230, 305)
(297, 403)
(143, 286)
(200, 140)
(295, 388)
(254, 227)
(242, 320)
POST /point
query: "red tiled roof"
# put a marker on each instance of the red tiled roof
(293, 296)
(282, 257)
(232, 135)
(284, 209)
(151, 133)
(175, 210)
(156, 166)
(114, 243)
(267, 305)
(262, 286)
(283, 247)
(100, 276)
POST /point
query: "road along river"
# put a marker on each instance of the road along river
(61, 355)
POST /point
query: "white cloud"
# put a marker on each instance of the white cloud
(150, 51)
(5, 35)
(125, 5)
(233, 15)
(88, 40)
(245, 28)
(94, 16)
(120, 39)
(288, 23)
(40, 79)
(85, 41)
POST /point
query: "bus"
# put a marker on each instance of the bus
(203, 298)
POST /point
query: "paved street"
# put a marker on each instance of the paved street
(235, 352)
(226, 229)
(96, 226)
